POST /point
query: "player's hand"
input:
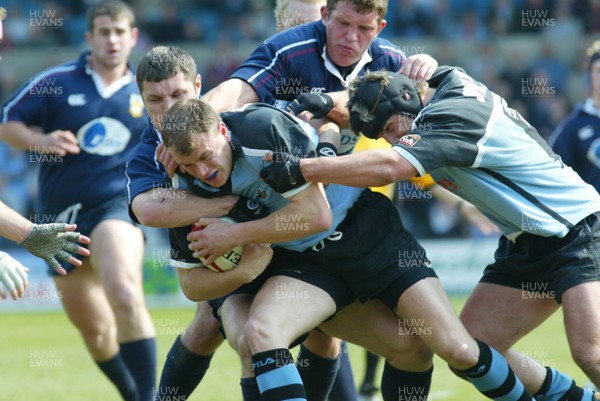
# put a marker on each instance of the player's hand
(255, 259)
(419, 67)
(57, 240)
(58, 142)
(166, 159)
(247, 210)
(13, 277)
(284, 173)
(214, 240)
(318, 104)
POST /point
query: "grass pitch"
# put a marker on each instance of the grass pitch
(43, 358)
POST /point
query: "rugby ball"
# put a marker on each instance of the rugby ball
(229, 260)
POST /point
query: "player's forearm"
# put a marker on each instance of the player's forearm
(19, 136)
(307, 213)
(168, 208)
(201, 284)
(12, 225)
(230, 94)
(364, 169)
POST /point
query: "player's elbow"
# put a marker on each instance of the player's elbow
(321, 220)
(147, 211)
(189, 286)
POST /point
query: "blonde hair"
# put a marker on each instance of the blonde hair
(2, 13)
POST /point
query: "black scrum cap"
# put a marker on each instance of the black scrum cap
(382, 98)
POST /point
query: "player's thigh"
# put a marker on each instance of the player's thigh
(286, 308)
(375, 327)
(202, 336)
(116, 252)
(581, 308)
(501, 315)
(86, 305)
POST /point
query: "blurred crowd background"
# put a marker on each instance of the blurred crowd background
(532, 52)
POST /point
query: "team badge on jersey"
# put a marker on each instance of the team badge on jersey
(103, 136)
(136, 105)
(76, 99)
(409, 140)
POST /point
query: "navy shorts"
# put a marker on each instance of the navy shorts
(545, 267)
(371, 255)
(88, 218)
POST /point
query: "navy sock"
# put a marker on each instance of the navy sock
(140, 358)
(560, 387)
(317, 373)
(250, 391)
(277, 376)
(119, 375)
(401, 385)
(344, 388)
(371, 362)
(182, 372)
(492, 376)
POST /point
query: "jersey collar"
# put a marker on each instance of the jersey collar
(590, 108)
(364, 60)
(103, 90)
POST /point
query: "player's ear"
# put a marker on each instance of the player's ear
(135, 33)
(223, 130)
(382, 25)
(88, 37)
(324, 14)
(198, 84)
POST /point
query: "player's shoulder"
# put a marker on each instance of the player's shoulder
(381, 47)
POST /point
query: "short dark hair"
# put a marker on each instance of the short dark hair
(366, 6)
(164, 62)
(112, 8)
(184, 120)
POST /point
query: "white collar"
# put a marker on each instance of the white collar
(329, 66)
(108, 91)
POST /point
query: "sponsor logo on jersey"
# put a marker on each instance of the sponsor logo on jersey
(103, 136)
(76, 99)
(585, 132)
(136, 105)
(409, 140)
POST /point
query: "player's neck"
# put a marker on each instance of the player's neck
(428, 95)
(108, 74)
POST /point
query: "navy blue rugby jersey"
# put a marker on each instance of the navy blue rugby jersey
(107, 121)
(295, 61)
(577, 141)
(259, 128)
(474, 145)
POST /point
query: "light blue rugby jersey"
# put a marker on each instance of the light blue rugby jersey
(259, 128)
(473, 144)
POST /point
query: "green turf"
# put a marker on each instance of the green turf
(43, 358)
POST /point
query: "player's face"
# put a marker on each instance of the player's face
(298, 12)
(349, 33)
(396, 127)
(212, 160)
(158, 97)
(111, 41)
(595, 78)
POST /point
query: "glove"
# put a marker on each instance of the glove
(325, 149)
(319, 104)
(51, 241)
(284, 173)
(13, 275)
(247, 210)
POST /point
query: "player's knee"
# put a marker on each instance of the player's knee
(323, 344)
(259, 335)
(125, 299)
(458, 354)
(587, 358)
(417, 356)
(202, 340)
(99, 335)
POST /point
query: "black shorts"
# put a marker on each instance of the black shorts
(545, 267)
(88, 218)
(373, 257)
